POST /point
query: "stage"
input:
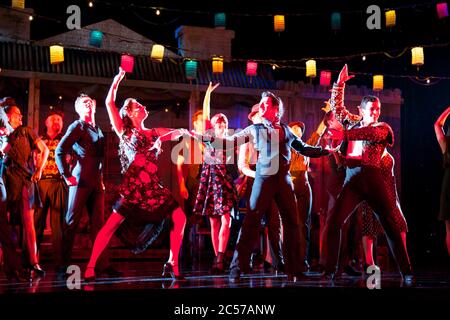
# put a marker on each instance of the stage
(142, 290)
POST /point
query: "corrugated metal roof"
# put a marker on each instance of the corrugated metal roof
(36, 58)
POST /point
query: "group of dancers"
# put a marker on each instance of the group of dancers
(37, 171)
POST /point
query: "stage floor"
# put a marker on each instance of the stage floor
(142, 286)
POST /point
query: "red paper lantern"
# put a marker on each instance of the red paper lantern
(325, 78)
(252, 68)
(127, 63)
(442, 10)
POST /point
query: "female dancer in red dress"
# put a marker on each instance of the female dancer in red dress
(143, 199)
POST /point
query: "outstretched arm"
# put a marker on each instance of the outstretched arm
(227, 142)
(439, 129)
(114, 116)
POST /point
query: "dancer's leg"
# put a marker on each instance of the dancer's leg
(102, 240)
(215, 231)
(368, 250)
(224, 233)
(176, 237)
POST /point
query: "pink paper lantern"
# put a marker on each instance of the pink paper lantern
(442, 10)
(252, 68)
(127, 63)
(325, 78)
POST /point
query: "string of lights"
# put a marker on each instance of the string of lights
(310, 67)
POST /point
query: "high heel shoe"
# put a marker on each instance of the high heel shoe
(218, 266)
(37, 271)
(168, 271)
(89, 274)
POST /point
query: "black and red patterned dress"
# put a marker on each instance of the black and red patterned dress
(144, 202)
(371, 225)
(217, 194)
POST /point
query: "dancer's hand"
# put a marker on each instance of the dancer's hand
(327, 107)
(71, 181)
(120, 75)
(343, 75)
(212, 87)
(36, 176)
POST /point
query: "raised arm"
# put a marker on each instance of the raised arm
(114, 116)
(320, 130)
(207, 104)
(184, 193)
(337, 98)
(439, 129)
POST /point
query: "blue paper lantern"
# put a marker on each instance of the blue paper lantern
(220, 20)
(335, 21)
(96, 38)
(191, 69)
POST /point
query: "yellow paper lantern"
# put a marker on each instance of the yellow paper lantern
(378, 82)
(417, 57)
(390, 18)
(157, 52)
(18, 4)
(311, 70)
(56, 54)
(217, 65)
(278, 23)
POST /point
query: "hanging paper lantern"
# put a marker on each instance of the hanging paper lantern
(157, 52)
(217, 65)
(311, 70)
(442, 10)
(252, 68)
(96, 39)
(56, 54)
(220, 20)
(378, 83)
(417, 56)
(278, 23)
(335, 21)
(18, 4)
(390, 18)
(325, 78)
(127, 63)
(191, 69)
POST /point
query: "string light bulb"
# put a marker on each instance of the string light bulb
(30, 18)
(158, 12)
(364, 58)
(91, 4)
